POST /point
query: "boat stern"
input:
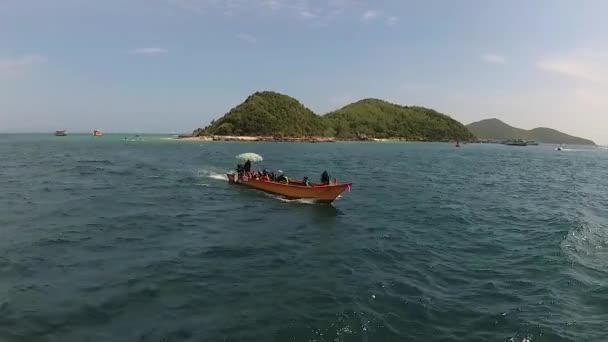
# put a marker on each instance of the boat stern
(232, 177)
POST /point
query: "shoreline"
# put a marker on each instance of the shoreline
(254, 138)
(245, 138)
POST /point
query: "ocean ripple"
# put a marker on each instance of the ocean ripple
(107, 241)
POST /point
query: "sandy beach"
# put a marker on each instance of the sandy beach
(253, 138)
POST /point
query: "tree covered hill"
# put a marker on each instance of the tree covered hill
(382, 119)
(267, 113)
(496, 129)
(273, 114)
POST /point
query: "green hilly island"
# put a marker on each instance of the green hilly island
(496, 129)
(273, 114)
(381, 119)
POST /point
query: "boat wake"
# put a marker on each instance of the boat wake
(300, 200)
(287, 200)
(219, 177)
(213, 175)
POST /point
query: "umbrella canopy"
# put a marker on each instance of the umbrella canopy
(250, 156)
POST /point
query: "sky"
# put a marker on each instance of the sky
(174, 65)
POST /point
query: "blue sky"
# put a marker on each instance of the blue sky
(173, 65)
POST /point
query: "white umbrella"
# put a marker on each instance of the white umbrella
(250, 156)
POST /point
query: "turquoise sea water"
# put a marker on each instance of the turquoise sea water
(107, 240)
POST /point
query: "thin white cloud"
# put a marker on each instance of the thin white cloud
(19, 64)
(370, 15)
(149, 51)
(319, 10)
(574, 68)
(308, 15)
(493, 59)
(392, 21)
(247, 38)
(272, 4)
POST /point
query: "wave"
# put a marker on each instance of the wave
(95, 161)
(587, 241)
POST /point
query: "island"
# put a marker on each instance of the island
(496, 130)
(271, 116)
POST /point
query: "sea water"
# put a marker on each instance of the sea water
(104, 239)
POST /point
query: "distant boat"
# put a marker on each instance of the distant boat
(97, 133)
(560, 148)
(61, 133)
(516, 142)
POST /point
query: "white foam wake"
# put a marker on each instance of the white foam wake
(218, 176)
(213, 175)
(287, 200)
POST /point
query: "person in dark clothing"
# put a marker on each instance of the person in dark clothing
(247, 166)
(325, 177)
(239, 168)
(306, 181)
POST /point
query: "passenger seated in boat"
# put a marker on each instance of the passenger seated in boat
(283, 179)
(247, 166)
(239, 168)
(325, 178)
(306, 181)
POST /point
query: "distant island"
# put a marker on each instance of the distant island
(270, 114)
(494, 129)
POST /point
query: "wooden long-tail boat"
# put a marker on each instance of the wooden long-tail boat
(324, 193)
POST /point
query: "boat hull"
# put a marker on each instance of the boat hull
(317, 192)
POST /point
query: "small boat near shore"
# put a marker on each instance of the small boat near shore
(516, 142)
(60, 133)
(289, 189)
